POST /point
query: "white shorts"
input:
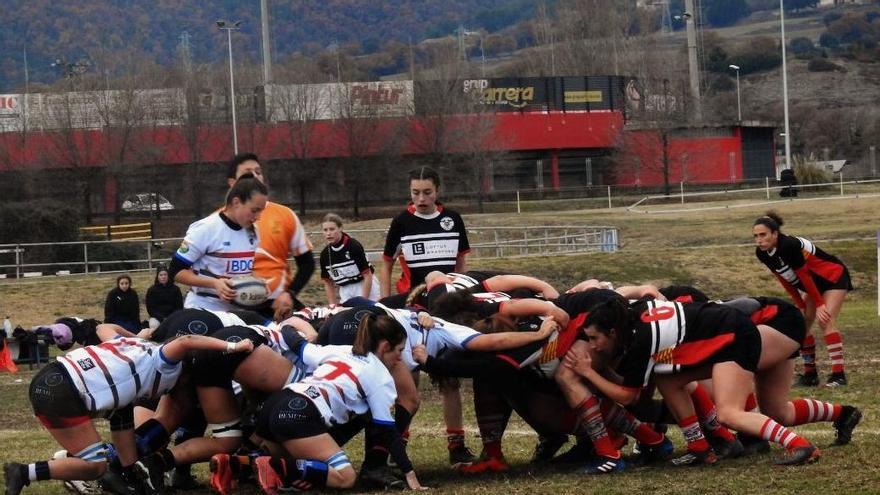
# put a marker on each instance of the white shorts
(356, 289)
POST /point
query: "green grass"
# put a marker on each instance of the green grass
(658, 248)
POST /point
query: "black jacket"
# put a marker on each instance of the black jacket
(122, 307)
(163, 299)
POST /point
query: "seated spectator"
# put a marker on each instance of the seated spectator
(163, 297)
(122, 306)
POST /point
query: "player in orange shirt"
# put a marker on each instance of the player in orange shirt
(281, 236)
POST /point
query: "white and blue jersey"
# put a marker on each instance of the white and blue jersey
(216, 247)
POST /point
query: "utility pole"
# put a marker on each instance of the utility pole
(785, 88)
(267, 54)
(693, 64)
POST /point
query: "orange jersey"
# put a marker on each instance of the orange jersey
(281, 236)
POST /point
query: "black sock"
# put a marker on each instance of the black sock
(167, 459)
(150, 437)
(402, 418)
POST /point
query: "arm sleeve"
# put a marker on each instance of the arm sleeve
(299, 241)
(806, 278)
(305, 266)
(324, 261)
(392, 240)
(464, 245)
(792, 291)
(177, 265)
(109, 312)
(359, 256)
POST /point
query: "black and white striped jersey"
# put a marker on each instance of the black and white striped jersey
(344, 262)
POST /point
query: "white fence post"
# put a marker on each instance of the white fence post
(767, 186)
(609, 197)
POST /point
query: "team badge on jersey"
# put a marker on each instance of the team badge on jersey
(447, 223)
(312, 393)
(86, 364)
(197, 327)
(184, 247)
(298, 403)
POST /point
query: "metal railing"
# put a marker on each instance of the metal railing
(65, 258)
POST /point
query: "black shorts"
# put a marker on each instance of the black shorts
(745, 350)
(844, 283)
(217, 369)
(187, 322)
(288, 415)
(56, 401)
(789, 321)
(341, 328)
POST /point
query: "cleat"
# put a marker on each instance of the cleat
(753, 445)
(113, 482)
(461, 456)
(836, 380)
(81, 487)
(380, 478)
(648, 454)
(845, 424)
(808, 380)
(579, 453)
(696, 458)
(181, 479)
(223, 476)
(486, 465)
(605, 465)
(15, 482)
(267, 478)
(547, 447)
(152, 466)
(799, 455)
(726, 449)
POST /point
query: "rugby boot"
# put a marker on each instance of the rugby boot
(267, 478)
(845, 424)
(726, 449)
(15, 480)
(605, 465)
(696, 458)
(836, 380)
(224, 478)
(580, 452)
(808, 380)
(486, 464)
(753, 445)
(547, 447)
(648, 454)
(799, 455)
(79, 487)
(380, 478)
(461, 456)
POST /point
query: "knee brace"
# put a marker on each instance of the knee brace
(229, 429)
(97, 452)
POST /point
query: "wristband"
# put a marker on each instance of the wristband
(230, 347)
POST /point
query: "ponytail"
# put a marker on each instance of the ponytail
(771, 220)
(373, 329)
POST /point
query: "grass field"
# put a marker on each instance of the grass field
(706, 249)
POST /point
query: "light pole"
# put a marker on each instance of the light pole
(739, 114)
(482, 53)
(785, 88)
(229, 27)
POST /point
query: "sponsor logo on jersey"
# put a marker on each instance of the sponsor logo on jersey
(447, 223)
(418, 248)
(184, 247)
(233, 338)
(226, 243)
(240, 266)
(197, 327)
(298, 403)
(664, 356)
(86, 364)
(312, 393)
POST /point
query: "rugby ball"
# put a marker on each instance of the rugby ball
(250, 291)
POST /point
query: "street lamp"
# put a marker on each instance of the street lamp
(229, 27)
(739, 115)
(785, 87)
(462, 33)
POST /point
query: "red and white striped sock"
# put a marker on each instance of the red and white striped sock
(591, 420)
(708, 415)
(834, 343)
(775, 432)
(814, 411)
(692, 432)
(623, 421)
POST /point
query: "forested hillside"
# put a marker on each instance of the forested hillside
(152, 30)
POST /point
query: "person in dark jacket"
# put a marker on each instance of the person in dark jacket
(163, 297)
(122, 306)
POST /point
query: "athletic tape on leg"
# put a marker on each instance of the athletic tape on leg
(225, 430)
